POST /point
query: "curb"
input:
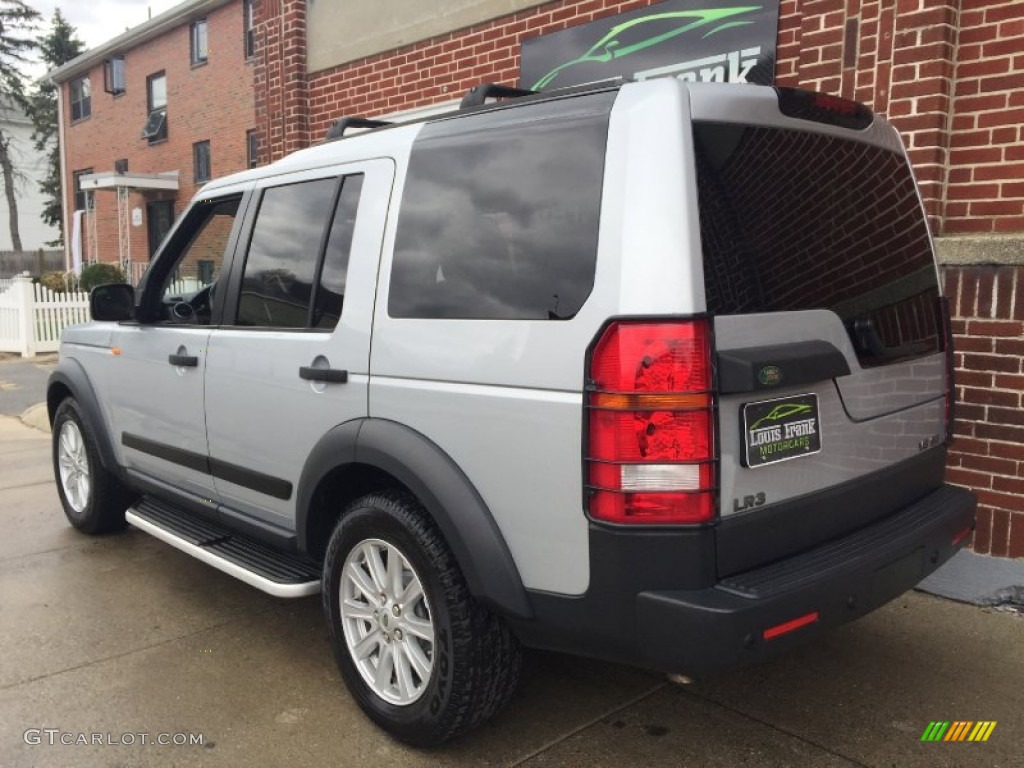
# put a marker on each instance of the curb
(36, 416)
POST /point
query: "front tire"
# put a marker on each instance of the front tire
(422, 658)
(94, 500)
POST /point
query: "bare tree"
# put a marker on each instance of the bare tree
(16, 22)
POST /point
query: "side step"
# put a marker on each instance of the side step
(276, 573)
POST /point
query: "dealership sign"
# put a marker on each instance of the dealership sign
(689, 39)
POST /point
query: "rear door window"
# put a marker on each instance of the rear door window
(297, 262)
(794, 220)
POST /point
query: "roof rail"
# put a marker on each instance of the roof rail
(338, 127)
(477, 96)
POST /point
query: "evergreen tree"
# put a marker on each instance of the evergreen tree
(58, 46)
(16, 21)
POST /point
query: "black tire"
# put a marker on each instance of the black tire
(476, 659)
(107, 499)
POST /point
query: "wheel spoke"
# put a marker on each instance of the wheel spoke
(65, 442)
(385, 667)
(413, 592)
(363, 582)
(406, 686)
(367, 645)
(358, 610)
(395, 569)
(377, 570)
(418, 659)
(421, 628)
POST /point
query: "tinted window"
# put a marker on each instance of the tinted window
(330, 293)
(283, 251)
(500, 213)
(793, 220)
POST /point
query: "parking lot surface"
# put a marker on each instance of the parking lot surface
(122, 635)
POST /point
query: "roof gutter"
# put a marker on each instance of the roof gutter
(166, 21)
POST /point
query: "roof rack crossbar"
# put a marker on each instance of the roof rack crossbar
(338, 127)
(477, 96)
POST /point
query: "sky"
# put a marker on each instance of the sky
(98, 20)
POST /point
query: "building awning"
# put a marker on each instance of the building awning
(141, 181)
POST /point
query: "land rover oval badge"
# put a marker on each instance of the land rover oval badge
(770, 376)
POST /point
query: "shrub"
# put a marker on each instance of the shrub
(54, 281)
(98, 274)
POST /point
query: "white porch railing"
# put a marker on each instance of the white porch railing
(5, 283)
(32, 317)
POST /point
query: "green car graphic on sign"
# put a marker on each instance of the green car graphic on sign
(610, 46)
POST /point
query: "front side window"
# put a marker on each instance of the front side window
(201, 161)
(156, 103)
(80, 199)
(500, 214)
(199, 45)
(188, 287)
(81, 99)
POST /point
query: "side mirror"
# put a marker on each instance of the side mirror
(113, 302)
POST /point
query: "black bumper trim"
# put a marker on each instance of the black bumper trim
(655, 602)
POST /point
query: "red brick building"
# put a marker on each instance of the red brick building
(950, 75)
(185, 79)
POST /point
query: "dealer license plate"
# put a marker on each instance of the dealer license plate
(782, 429)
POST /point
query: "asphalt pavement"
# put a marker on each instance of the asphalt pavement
(111, 637)
(23, 381)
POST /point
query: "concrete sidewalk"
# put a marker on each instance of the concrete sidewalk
(123, 634)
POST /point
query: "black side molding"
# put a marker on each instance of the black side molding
(243, 476)
(753, 369)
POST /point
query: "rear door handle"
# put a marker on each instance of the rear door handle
(183, 361)
(333, 375)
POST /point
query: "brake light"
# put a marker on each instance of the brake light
(823, 108)
(650, 416)
(947, 345)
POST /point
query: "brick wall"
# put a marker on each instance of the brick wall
(988, 453)
(986, 183)
(213, 102)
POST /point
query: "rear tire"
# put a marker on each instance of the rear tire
(94, 500)
(427, 668)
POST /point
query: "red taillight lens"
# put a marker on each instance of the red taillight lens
(651, 449)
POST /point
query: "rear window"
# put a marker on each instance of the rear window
(792, 220)
(500, 213)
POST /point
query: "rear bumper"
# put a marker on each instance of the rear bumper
(632, 613)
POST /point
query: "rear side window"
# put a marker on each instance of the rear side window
(792, 220)
(500, 213)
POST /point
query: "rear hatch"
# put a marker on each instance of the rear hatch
(820, 277)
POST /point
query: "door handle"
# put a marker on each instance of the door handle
(333, 375)
(183, 361)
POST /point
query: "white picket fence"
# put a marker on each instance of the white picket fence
(32, 317)
(5, 283)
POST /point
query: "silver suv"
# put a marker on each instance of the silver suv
(656, 372)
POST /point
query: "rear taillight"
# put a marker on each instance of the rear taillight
(947, 346)
(650, 446)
